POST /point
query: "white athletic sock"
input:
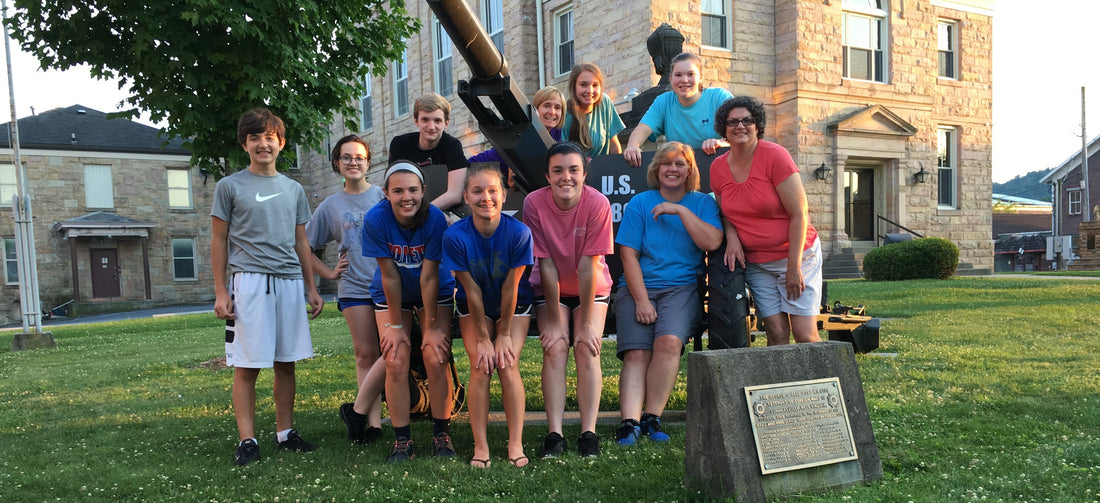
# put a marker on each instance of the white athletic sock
(281, 436)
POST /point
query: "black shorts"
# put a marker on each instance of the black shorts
(572, 302)
(381, 307)
(521, 310)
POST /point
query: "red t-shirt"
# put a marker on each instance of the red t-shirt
(753, 206)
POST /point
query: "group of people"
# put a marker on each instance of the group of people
(401, 265)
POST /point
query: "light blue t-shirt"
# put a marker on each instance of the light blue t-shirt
(603, 124)
(688, 125)
(340, 218)
(667, 255)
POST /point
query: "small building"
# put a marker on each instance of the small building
(1074, 202)
(121, 219)
(1021, 227)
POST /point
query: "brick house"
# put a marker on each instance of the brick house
(121, 219)
(893, 98)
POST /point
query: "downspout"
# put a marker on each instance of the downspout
(540, 37)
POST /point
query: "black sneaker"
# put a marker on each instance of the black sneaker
(628, 432)
(402, 451)
(370, 435)
(247, 452)
(552, 446)
(295, 442)
(588, 445)
(355, 422)
(441, 446)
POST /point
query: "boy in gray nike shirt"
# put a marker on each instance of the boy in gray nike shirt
(258, 223)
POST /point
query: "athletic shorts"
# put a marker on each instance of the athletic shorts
(521, 310)
(271, 323)
(679, 313)
(341, 303)
(572, 303)
(768, 283)
(412, 306)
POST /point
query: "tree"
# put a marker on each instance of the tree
(199, 64)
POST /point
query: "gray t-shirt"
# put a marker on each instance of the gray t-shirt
(340, 218)
(262, 213)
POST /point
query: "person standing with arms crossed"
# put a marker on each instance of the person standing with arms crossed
(258, 231)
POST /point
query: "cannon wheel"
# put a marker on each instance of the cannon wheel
(728, 317)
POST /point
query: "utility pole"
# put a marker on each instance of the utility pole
(1086, 209)
(29, 303)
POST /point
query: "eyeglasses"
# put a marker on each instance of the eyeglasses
(347, 159)
(747, 121)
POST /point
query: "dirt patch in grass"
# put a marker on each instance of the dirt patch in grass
(212, 364)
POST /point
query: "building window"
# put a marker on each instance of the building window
(11, 263)
(444, 78)
(865, 40)
(947, 163)
(1073, 201)
(98, 187)
(401, 85)
(183, 258)
(715, 24)
(563, 42)
(365, 106)
(492, 15)
(9, 187)
(179, 189)
(949, 49)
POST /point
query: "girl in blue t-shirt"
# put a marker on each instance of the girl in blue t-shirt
(405, 235)
(490, 253)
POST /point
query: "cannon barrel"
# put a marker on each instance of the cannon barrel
(521, 141)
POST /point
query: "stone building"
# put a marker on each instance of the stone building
(121, 220)
(885, 105)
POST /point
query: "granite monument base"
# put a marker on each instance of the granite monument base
(721, 455)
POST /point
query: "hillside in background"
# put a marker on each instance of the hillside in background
(1025, 186)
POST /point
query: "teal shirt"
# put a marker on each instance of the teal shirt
(603, 124)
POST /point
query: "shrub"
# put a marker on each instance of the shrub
(925, 258)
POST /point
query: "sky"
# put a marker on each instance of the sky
(1041, 59)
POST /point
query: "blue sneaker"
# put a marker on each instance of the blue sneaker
(628, 433)
(652, 428)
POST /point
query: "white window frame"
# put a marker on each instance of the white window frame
(11, 261)
(717, 10)
(366, 110)
(180, 188)
(442, 51)
(401, 85)
(878, 24)
(947, 49)
(9, 184)
(178, 259)
(492, 18)
(564, 27)
(947, 167)
(99, 189)
(1073, 201)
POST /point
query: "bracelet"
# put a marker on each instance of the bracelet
(399, 325)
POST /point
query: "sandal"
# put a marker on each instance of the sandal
(516, 462)
(480, 463)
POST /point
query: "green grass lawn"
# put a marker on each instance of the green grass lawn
(993, 395)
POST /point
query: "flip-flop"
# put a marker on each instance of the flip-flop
(515, 461)
(480, 463)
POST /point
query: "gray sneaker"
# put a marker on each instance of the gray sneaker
(402, 451)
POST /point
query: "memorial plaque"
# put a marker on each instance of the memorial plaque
(800, 424)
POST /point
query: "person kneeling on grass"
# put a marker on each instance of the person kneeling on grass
(571, 226)
(489, 253)
(405, 234)
(663, 239)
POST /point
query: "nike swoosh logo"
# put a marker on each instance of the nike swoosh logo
(260, 199)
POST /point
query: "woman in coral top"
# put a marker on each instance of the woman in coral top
(767, 224)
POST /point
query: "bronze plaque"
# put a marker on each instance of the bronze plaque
(800, 424)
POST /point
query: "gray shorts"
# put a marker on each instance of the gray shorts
(768, 283)
(679, 313)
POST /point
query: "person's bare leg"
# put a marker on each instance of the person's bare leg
(805, 328)
(513, 394)
(555, 359)
(477, 394)
(589, 371)
(244, 401)
(283, 390)
(664, 366)
(778, 328)
(632, 383)
(364, 341)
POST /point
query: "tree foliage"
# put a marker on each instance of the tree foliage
(198, 64)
